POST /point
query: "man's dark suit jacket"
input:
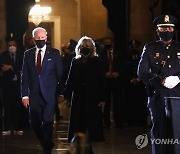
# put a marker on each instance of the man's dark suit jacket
(48, 81)
(7, 78)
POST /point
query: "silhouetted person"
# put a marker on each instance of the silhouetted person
(114, 84)
(136, 98)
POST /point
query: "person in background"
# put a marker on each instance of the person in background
(28, 41)
(67, 53)
(135, 93)
(10, 65)
(67, 56)
(1, 106)
(40, 82)
(85, 89)
(159, 69)
(114, 81)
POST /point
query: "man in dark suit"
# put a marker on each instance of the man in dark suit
(10, 65)
(40, 82)
(135, 94)
(114, 84)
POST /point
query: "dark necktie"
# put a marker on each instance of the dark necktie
(39, 61)
(110, 56)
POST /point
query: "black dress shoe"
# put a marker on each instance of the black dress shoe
(48, 149)
(89, 150)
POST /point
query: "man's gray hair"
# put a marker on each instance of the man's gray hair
(36, 29)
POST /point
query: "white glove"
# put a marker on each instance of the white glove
(171, 81)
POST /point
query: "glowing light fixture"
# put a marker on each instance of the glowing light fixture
(37, 13)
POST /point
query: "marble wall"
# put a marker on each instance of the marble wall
(141, 22)
(79, 18)
(82, 17)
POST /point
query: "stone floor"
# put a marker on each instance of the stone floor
(118, 141)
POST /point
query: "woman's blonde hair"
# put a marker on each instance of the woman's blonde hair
(89, 42)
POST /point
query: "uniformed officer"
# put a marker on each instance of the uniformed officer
(159, 69)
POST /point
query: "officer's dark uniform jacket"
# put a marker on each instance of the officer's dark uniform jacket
(157, 62)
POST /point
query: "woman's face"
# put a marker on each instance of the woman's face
(86, 48)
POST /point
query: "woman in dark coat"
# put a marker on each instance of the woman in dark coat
(85, 87)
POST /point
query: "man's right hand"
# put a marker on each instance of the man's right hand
(25, 102)
(6, 67)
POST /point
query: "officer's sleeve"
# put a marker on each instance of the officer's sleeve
(144, 70)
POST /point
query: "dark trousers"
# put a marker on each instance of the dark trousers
(12, 107)
(174, 106)
(41, 121)
(114, 98)
(136, 105)
(1, 119)
(160, 126)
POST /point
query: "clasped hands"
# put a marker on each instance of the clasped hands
(112, 74)
(6, 67)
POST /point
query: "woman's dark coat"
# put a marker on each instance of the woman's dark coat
(85, 86)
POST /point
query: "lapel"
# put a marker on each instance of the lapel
(45, 59)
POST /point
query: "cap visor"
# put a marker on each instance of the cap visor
(159, 25)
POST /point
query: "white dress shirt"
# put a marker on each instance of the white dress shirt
(43, 49)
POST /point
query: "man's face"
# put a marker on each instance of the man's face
(108, 44)
(165, 33)
(12, 46)
(40, 38)
(165, 28)
(40, 35)
(12, 43)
